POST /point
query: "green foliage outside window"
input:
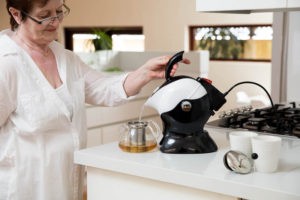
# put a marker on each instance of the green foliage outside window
(234, 42)
(228, 47)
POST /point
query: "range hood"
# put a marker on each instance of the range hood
(246, 6)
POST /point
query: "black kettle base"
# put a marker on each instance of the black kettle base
(178, 143)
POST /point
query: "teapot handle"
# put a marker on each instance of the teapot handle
(123, 129)
(157, 130)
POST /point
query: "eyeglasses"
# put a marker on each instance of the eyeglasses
(46, 21)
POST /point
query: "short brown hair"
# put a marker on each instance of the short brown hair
(22, 5)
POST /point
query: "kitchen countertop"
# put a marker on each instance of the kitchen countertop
(203, 171)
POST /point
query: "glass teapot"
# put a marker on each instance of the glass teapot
(139, 136)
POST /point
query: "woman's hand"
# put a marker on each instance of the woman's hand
(152, 69)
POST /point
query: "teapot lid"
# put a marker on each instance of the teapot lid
(137, 124)
(238, 162)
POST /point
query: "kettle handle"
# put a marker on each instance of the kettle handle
(173, 60)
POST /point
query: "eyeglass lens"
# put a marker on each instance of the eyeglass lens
(59, 17)
(46, 21)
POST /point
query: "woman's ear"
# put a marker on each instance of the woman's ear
(16, 14)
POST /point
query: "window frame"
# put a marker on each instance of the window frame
(70, 31)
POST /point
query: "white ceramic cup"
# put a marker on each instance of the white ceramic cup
(241, 141)
(267, 148)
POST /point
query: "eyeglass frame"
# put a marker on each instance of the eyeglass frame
(50, 19)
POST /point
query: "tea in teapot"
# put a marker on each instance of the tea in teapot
(139, 136)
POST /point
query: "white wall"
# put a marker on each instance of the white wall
(293, 61)
(165, 22)
(4, 21)
(226, 74)
(285, 62)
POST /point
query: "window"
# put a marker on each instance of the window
(124, 38)
(238, 42)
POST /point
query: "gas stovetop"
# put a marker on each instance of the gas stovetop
(282, 119)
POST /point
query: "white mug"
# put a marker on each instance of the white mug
(266, 152)
(241, 141)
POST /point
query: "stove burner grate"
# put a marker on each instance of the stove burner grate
(280, 119)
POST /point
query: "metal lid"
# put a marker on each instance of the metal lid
(238, 162)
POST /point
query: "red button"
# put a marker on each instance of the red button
(207, 80)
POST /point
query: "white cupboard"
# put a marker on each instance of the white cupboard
(246, 6)
(293, 3)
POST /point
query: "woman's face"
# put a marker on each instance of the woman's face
(47, 31)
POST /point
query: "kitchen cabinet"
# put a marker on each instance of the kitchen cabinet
(94, 137)
(293, 4)
(246, 6)
(110, 133)
(102, 182)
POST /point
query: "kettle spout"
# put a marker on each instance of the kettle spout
(151, 102)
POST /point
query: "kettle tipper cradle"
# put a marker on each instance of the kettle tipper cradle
(185, 105)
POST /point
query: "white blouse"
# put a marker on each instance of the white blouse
(64, 95)
(40, 128)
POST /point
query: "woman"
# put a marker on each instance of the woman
(43, 91)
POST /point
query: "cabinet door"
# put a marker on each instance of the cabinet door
(293, 4)
(94, 137)
(238, 5)
(111, 133)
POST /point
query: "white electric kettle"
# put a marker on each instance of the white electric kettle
(185, 104)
